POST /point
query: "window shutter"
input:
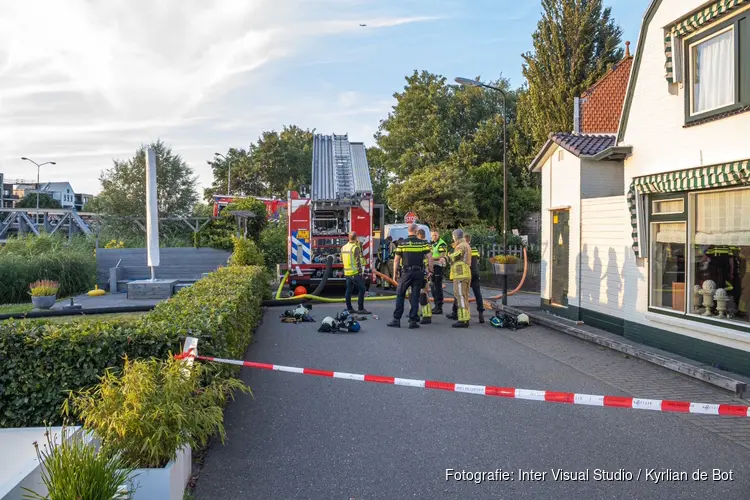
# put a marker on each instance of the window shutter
(677, 59)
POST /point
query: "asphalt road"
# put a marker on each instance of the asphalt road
(305, 437)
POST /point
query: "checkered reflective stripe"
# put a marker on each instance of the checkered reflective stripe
(366, 249)
(694, 179)
(693, 23)
(300, 252)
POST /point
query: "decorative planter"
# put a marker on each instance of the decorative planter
(44, 302)
(505, 269)
(167, 483)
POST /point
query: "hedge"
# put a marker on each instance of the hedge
(41, 361)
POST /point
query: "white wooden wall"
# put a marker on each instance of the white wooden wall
(604, 249)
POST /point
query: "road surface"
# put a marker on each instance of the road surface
(305, 437)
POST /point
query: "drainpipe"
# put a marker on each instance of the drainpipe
(580, 255)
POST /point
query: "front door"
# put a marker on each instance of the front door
(560, 258)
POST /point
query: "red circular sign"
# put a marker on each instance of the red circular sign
(410, 218)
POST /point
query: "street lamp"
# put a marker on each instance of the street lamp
(229, 171)
(38, 168)
(474, 83)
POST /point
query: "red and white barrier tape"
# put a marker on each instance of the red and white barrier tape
(663, 405)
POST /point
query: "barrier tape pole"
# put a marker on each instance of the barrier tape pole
(662, 405)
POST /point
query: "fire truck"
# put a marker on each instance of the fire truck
(275, 208)
(340, 201)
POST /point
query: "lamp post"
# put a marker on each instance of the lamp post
(38, 168)
(474, 83)
(229, 171)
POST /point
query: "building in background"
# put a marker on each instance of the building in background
(81, 200)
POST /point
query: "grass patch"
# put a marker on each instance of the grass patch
(15, 308)
(90, 317)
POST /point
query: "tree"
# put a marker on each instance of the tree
(284, 159)
(124, 185)
(575, 43)
(379, 174)
(441, 196)
(45, 201)
(246, 177)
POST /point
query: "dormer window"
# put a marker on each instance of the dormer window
(717, 70)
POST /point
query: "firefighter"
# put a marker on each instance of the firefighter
(475, 285)
(439, 251)
(385, 255)
(424, 300)
(410, 276)
(351, 257)
(461, 276)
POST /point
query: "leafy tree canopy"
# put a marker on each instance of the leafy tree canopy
(45, 201)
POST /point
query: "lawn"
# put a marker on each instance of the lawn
(15, 308)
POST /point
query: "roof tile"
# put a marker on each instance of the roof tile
(601, 104)
(583, 144)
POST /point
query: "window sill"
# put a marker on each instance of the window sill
(717, 116)
(725, 332)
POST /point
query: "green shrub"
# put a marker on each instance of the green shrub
(273, 244)
(41, 361)
(246, 253)
(74, 469)
(218, 233)
(153, 408)
(73, 269)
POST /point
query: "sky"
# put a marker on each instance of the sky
(86, 81)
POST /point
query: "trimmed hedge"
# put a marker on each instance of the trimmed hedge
(41, 361)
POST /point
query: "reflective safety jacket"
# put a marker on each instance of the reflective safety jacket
(351, 257)
(461, 258)
(439, 250)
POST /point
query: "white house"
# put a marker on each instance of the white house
(683, 218)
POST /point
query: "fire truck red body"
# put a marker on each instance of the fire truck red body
(340, 201)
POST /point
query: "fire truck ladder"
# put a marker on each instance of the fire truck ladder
(342, 166)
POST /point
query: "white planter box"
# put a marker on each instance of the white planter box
(167, 483)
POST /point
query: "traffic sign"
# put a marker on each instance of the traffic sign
(410, 218)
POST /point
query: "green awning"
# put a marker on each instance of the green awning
(695, 22)
(694, 179)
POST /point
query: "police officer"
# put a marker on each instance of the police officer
(351, 257)
(424, 301)
(410, 254)
(475, 285)
(461, 276)
(439, 252)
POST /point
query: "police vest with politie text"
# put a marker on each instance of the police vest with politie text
(351, 257)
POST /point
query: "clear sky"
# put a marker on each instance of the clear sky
(82, 81)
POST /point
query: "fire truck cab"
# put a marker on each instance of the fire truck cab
(340, 201)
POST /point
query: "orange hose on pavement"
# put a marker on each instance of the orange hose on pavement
(472, 299)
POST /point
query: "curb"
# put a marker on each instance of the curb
(737, 387)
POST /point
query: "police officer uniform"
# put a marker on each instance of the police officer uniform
(439, 251)
(411, 252)
(461, 276)
(475, 287)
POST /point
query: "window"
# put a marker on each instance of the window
(717, 65)
(721, 252)
(668, 265)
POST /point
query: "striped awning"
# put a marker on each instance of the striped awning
(694, 23)
(694, 179)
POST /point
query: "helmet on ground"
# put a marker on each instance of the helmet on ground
(496, 321)
(353, 326)
(328, 325)
(523, 319)
(300, 290)
(343, 315)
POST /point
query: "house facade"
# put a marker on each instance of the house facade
(666, 260)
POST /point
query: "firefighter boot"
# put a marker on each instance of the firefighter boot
(438, 310)
(394, 324)
(425, 309)
(463, 319)
(481, 316)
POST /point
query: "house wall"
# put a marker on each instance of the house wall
(601, 179)
(561, 187)
(661, 143)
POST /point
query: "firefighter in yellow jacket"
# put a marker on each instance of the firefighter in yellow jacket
(461, 276)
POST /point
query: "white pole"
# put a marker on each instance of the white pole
(152, 213)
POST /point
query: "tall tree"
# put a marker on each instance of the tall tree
(124, 185)
(284, 159)
(575, 42)
(379, 174)
(237, 166)
(441, 196)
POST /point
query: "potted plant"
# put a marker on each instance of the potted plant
(44, 293)
(153, 414)
(504, 265)
(74, 468)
